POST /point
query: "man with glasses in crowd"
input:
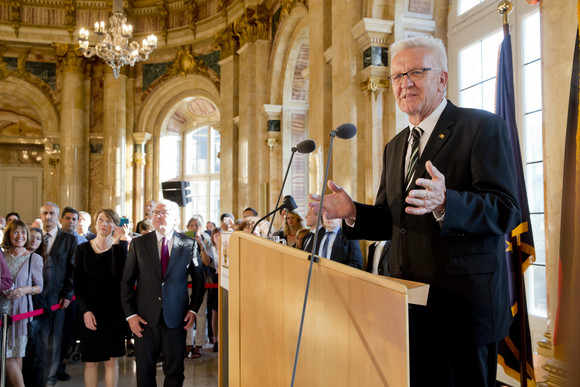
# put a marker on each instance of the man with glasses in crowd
(446, 198)
(155, 297)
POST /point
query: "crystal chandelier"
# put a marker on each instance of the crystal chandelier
(115, 48)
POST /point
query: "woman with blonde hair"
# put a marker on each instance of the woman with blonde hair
(293, 222)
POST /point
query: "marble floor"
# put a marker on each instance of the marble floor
(202, 372)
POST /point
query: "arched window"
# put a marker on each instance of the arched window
(202, 170)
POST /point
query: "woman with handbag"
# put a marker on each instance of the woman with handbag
(26, 270)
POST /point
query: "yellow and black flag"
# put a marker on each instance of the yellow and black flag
(521, 253)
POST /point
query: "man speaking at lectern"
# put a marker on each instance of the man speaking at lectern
(446, 198)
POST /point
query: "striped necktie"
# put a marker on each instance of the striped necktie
(164, 255)
(415, 137)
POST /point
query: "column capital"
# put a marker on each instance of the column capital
(228, 41)
(272, 112)
(372, 32)
(374, 79)
(253, 25)
(69, 58)
(141, 138)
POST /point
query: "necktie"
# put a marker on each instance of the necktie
(46, 242)
(306, 241)
(415, 136)
(164, 255)
(326, 243)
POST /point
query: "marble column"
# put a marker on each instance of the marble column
(253, 156)
(372, 36)
(346, 168)
(129, 198)
(319, 88)
(229, 73)
(114, 129)
(139, 160)
(74, 134)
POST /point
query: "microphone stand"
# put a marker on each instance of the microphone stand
(313, 256)
(294, 149)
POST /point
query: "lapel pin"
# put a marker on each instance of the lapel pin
(442, 136)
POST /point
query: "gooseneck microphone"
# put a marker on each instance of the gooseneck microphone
(288, 203)
(306, 146)
(344, 131)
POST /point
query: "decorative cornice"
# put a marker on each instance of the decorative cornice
(15, 15)
(141, 137)
(185, 63)
(228, 41)
(272, 112)
(70, 10)
(192, 15)
(253, 25)
(163, 19)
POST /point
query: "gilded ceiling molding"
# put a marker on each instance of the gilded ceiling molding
(71, 17)
(192, 15)
(287, 6)
(16, 17)
(163, 19)
(253, 25)
(228, 42)
(69, 58)
(21, 73)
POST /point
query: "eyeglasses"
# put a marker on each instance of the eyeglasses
(162, 213)
(413, 75)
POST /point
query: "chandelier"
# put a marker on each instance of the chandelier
(114, 47)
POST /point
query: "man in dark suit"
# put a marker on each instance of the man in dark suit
(446, 198)
(378, 258)
(336, 247)
(310, 220)
(155, 297)
(61, 247)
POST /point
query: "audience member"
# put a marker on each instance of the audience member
(84, 227)
(300, 235)
(2, 221)
(37, 223)
(12, 216)
(209, 226)
(195, 344)
(35, 362)
(227, 220)
(158, 310)
(336, 247)
(61, 247)
(69, 221)
(26, 271)
(145, 227)
(212, 299)
(249, 212)
(148, 208)
(97, 275)
(5, 276)
(293, 221)
(311, 219)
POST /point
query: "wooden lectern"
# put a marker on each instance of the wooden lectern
(355, 329)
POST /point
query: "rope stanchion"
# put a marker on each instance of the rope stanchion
(5, 320)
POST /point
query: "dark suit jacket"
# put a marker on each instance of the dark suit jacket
(155, 293)
(310, 243)
(62, 256)
(463, 259)
(383, 267)
(345, 251)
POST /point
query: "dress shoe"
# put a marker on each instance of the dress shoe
(63, 377)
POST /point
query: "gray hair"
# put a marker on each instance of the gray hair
(50, 204)
(435, 45)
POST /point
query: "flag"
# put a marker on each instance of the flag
(509, 347)
(567, 314)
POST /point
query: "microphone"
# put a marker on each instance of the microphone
(288, 203)
(344, 131)
(306, 146)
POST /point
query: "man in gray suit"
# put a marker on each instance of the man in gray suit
(155, 298)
